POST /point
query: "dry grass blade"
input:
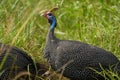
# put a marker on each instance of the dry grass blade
(60, 70)
(21, 74)
(48, 11)
(25, 23)
(6, 55)
(53, 9)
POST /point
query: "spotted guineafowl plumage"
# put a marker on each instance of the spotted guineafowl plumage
(17, 61)
(76, 59)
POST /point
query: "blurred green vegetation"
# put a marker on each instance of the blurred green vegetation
(96, 22)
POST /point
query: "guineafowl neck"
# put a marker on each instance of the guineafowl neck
(51, 35)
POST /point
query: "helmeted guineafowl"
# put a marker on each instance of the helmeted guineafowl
(74, 59)
(16, 62)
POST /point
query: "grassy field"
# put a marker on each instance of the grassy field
(96, 22)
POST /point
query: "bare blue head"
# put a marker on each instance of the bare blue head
(51, 19)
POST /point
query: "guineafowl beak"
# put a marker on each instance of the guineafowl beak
(45, 15)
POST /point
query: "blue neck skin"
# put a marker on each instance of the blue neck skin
(53, 23)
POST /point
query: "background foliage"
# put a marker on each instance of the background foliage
(96, 22)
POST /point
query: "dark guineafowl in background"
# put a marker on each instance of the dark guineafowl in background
(76, 59)
(17, 61)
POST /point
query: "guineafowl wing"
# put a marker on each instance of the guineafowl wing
(75, 50)
(77, 57)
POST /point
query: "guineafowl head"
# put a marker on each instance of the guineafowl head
(51, 19)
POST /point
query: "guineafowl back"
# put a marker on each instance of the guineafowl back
(17, 61)
(14, 55)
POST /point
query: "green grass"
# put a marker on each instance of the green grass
(96, 22)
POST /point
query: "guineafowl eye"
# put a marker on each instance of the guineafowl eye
(49, 14)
